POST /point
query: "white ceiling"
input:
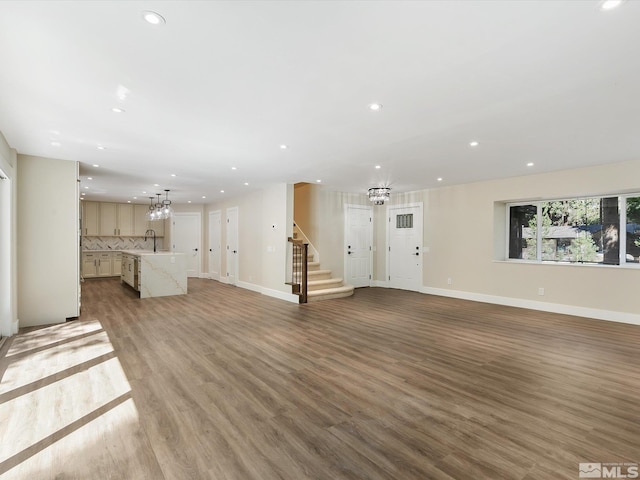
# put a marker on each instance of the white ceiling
(224, 84)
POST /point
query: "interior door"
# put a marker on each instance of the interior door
(405, 247)
(185, 238)
(215, 249)
(232, 245)
(358, 234)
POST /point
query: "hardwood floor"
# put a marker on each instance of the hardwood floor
(225, 383)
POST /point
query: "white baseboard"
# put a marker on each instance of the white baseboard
(609, 315)
(380, 283)
(289, 297)
(16, 326)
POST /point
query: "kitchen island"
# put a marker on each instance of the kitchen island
(154, 274)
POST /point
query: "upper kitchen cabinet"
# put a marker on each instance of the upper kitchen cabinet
(90, 226)
(116, 219)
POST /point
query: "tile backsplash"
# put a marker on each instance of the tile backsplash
(120, 243)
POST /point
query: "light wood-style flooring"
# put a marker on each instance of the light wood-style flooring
(224, 383)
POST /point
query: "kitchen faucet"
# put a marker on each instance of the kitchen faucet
(153, 232)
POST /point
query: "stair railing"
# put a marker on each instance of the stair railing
(304, 238)
(300, 251)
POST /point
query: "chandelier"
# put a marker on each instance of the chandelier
(161, 209)
(378, 195)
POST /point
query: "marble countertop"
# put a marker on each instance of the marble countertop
(148, 252)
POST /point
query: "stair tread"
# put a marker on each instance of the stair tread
(329, 291)
(325, 281)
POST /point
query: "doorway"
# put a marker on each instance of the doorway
(404, 237)
(232, 245)
(186, 238)
(215, 248)
(358, 233)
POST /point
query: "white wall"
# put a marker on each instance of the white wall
(47, 207)
(8, 241)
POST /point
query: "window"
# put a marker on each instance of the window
(404, 220)
(633, 230)
(576, 230)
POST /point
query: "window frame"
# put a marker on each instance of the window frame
(538, 203)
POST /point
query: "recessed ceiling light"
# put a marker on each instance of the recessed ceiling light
(86, 188)
(135, 198)
(474, 143)
(375, 106)
(203, 196)
(318, 181)
(82, 193)
(378, 167)
(246, 183)
(439, 179)
(530, 164)
(101, 147)
(188, 201)
(144, 193)
(89, 178)
(173, 174)
(284, 147)
(128, 201)
(55, 144)
(610, 4)
(156, 184)
(153, 18)
(221, 191)
(234, 168)
(117, 110)
(95, 165)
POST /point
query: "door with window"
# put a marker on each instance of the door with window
(405, 247)
(185, 238)
(358, 234)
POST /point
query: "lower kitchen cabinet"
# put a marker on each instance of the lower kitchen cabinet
(101, 264)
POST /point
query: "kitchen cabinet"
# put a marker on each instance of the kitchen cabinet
(140, 222)
(116, 219)
(108, 219)
(104, 264)
(89, 265)
(116, 264)
(90, 218)
(125, 219)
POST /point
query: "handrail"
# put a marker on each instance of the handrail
(299, 269)
(314, 250)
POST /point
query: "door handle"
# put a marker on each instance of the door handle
(195, 249)
(348, 253)
(210, 250)
(235, 251)
(416, 254)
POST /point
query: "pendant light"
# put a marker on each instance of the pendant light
(167, 211)
(151, 213)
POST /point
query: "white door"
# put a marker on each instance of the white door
(405, 247)
(215, 249)
(358, 234)
(232, 245)
(185, 238)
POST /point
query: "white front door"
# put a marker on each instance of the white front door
(232, 245)
(215, 249)
(185, 238)
(358, 234)
(405, 247)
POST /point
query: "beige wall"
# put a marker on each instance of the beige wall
(265, 221)
(464, 229)
(48, 275)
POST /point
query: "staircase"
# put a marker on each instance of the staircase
(320, 284)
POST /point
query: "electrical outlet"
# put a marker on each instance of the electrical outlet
(540, 291)
(449, 281)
